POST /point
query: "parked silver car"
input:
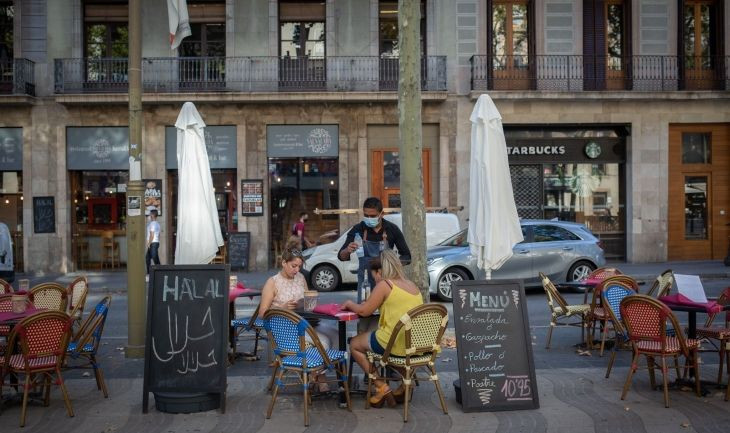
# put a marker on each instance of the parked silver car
(564, 251)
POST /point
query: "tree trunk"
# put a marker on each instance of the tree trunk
(409, 122)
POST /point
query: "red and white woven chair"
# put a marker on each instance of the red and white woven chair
(646, 322)
(5, 287)
(51, 296)
(77, 292)
(722, 335)
(42, 338)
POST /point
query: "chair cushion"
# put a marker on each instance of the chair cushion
(314, 359)
(243, 323)
(713, 332)
(401, 360)
(572, 309)
(16, 362)
(672, 345)
(88, 347)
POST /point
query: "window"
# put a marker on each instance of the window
(695, 207)
(388, 28)
(205, 40)
(302, 39)
(510, 35)
(696, 148)
(700, 35)
(7, 14)
(547, 233)
(615, 28)
(302, 45)
(106, 30)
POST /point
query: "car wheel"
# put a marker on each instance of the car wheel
(443, 287)
(580, 270)
(325, 278)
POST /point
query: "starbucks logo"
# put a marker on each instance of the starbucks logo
(319, 140)
(101, 148)
(592, 150)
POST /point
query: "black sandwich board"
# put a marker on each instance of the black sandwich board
(494, 346)
(187, 331)
(239, 245)
(44, 215)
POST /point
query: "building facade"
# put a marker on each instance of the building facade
(616, 114)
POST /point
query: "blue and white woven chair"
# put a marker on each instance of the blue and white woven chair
(247, 324)
(82, 349)
(611, 298)
(293, 358)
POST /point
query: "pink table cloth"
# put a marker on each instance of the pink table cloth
(682, 301)
(240, 290)
(334, 310)
(9, 316)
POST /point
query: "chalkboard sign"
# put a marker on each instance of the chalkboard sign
(238, 248)
(44, 215)
(187, 330)
(496, 368)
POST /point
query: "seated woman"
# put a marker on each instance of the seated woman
(286, 290)
(394, 295)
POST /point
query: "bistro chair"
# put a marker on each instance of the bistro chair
(84, 345)
(5, 287)
(662, 284)
(611, 298)
(561, 310)
(6, 306)
(597, 314)
(601, 274)
(646, 321)
(109, 250)
(248, 324)
(288, 333)
(42, 338)
(722, 335)
(77, 292)
(50, 296)
(422, 327)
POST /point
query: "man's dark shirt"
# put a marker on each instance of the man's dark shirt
(393, 233)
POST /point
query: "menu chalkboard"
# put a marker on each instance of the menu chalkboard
(494, 347)
(44, 215)
(187, 330)
(239, 245)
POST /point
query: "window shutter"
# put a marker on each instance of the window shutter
(599, 7)
(589, 46)
(680, 43)
(628, 48)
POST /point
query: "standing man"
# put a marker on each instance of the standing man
(376, 234)
(298, 231)
(153, 240)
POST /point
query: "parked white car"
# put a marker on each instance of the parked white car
(327, 272)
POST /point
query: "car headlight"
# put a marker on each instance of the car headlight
(433, 260)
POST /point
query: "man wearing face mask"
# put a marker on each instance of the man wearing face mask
(376, 234)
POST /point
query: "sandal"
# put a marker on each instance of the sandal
(400, 394)
(382, 394)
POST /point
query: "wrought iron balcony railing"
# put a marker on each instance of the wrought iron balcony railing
(244, 74)
(578, 73)
(17, 77)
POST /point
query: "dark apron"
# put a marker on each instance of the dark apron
(371, 250)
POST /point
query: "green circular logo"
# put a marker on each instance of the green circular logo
(593, 150)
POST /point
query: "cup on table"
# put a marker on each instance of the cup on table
(23, 285)
(232, 281)
(310, 299)
(19, 303)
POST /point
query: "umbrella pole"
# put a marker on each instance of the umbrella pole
(487, 274)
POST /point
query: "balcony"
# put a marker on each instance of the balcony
(587, 73)
(244, 74)
(17, 77)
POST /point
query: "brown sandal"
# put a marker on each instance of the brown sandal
(400, 394)
(382, 394)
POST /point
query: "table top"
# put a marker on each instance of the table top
(238, 293)
(9, 317)
(345, 316)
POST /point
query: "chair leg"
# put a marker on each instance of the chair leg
(371, 373)
(26, 390)
(676, 367)
(274, 392)
(632, 369)
(406, 393)
(256, 342)
(727, 362)
(100, 384)
(650, 365)
(66, 399)
(273, 375)
(345, 384)
(698, 379)
(610, 361)
(437, 383)
(722, 361)
(550, 335)
(665, 373)
(47, 391)
(604, 331)
(305, 380)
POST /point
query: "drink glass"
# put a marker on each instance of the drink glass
(23, 285)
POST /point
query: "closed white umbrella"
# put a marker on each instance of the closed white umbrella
(494, 227)
(198, 230)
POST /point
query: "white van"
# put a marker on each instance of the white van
(327, 272)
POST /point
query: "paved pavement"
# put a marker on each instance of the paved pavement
(574, 395)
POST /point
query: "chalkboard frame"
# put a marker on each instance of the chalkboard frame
(466, 398)
(36, 226)
(148, 385)
(232, 235)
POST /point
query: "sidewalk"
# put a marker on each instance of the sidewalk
(104, 281)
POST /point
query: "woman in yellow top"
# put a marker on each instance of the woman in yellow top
(394, 295)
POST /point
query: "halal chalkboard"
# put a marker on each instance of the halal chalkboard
(496, 368)
(187, 331)
(239, 245)
(44, 215)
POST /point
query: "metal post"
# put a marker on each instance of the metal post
(135, 192)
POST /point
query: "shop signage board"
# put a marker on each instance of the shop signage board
(152, 195)
(252, 197)
(97, 148)
(302, 141)
(44, 215)
(11, 149)
(187, 331)
(494, 346)
(220, 143)
(588, 150)
(239, 246)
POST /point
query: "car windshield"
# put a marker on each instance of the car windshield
(457, 240)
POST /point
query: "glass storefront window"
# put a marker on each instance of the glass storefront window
(696, 148)
(303, 185)
(695, 207)
(11, 212)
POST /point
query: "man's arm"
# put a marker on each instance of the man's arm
(344, 254)
(400, 242)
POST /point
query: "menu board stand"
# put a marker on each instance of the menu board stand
(494, 346)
